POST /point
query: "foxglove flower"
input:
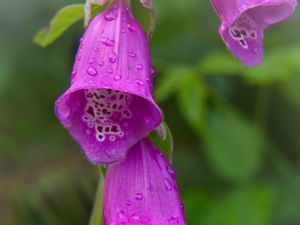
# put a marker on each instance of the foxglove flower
(142, 190)
(244, 21)
(109, 105)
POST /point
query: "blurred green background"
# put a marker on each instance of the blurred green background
(236, 129)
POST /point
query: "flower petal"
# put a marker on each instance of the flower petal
(244, 21)
(109, 105)
(142, 189)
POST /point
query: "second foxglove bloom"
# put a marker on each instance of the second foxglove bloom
(142, 190)
(109, 105)
(244, 21)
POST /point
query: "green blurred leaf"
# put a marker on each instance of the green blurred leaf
(171, 81)
(290, 90)
(63, 20)
(278, 65)
(234, 146)
(245, 206)
(191, 99)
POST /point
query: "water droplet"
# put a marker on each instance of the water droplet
(101, 63)
(92, 71)
(73, 74)
(92, 61)
(174, 220)
(171, 171)
(112, 57)
(168, 185)
(107, 41)
(128, 202)
(182, 206)
(78, 58)
(131, 27)
(132, 54)
(96, 49)
(110, 71)
(110, 16)
(138, 196)
(117, 77)
(153, 71)
(135, 217)
(139, 66)
(81, 40)
(140, 82)
(123, 30)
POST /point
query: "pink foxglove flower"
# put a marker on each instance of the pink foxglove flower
(244, 21)
(109, 105)
(142, 190)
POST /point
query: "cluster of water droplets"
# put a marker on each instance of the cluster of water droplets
(242, 30)
(103, 108)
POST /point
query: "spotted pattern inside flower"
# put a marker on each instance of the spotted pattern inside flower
(243, 30)
(104, 111)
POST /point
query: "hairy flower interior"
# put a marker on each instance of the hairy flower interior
(105, 112)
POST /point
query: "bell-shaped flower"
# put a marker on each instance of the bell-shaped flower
(109, 105)
(142, 190)
(244, 21)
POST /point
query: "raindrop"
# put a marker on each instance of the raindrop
(117, 77)
(110, 71)
(73, 74)
(174, 220)
(153, 71)
(110, 16)
(96, 49)
(101, 63)
(92, 61)
(140, 82)
(112, 57)
(131, 27)
(79, 58)
(139, 66)
(138, 196)
(107, 42)
(168, 185)
(92, 71)
(171, 171)
(128, 202)
(132, 54)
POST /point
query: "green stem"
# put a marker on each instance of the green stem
(96, 216)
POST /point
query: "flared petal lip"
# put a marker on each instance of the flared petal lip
(73, 90)
(226, 22)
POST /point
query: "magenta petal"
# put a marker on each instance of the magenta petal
(244, 21)
(142, 190)
(109, 105)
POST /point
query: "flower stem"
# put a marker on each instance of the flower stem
(96, 216)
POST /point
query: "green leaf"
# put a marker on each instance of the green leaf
(290, 90)
(192, 102)
(63, 20)
(244, 206)
(171, 81)
(234, 146)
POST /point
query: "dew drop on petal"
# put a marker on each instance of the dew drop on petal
(153, 71)
(110, 16)
(168, 185)
(138, 196)
(131, 27)
(92, 71)
(132, 54)
(110, 71)
(139, 66)
(140, 82)
(73, 74)
(92, 61)
(117, 77)
(112, 57)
